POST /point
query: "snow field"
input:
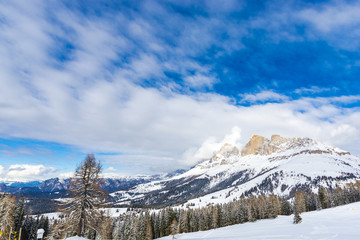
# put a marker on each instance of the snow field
(335, 223)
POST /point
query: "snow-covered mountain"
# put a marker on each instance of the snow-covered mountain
(277, 165)
(62, 185)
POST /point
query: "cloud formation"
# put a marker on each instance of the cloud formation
(152, 81)
(25, 172)
(210, 146)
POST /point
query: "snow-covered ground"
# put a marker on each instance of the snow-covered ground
(113, 212)
(336, 223)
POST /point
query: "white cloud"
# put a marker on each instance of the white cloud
(314, 89)
(26, 172)
(336, 22)
(210, 145)
(65, 175)
(262, 96)
(153, 129)
(111, 169)
(199, 80)
(333, 16)
(86, 103)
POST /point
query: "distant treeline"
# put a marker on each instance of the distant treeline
(140, 224)
(170, 221)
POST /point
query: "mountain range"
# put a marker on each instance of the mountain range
(277, 165)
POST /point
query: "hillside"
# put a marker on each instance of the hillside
(278, 165)
(335, 223)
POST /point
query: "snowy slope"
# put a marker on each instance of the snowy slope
(279, 166)
(335, 223)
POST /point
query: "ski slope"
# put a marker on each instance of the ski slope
(336, 223)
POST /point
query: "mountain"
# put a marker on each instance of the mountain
(24, 184)
(277, 165)
(40, 195)
(55, 185)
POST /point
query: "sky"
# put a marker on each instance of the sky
(154, 86)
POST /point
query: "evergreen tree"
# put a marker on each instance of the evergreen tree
(297, 218)
(184, 221)
(127, 227)
(19, 214)
(214, 218)
(299, 202)
(324, 197)
(29, 228)
(174, 227)
(46, 227)
(106, 227)
(312, 202)
(87, 197)
(149, 231)
(285, 206)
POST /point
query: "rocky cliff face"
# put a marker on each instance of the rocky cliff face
(259, 145)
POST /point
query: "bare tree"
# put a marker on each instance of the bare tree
(87, 197)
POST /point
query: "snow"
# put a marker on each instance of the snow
(76, 238)
(114, 212)
(335, 223)
(292, 162)
(51, 216)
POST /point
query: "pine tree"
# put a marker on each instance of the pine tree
(127, 227)
(46, 227)
(7, 212)
(134, 228)
(297, 218)
(285, 206)
(29, 228)
(324, 197)
(312, 202)
(141, 228)
(174, 228)
(106, 227)
(184, 221)
(299, 206)
(149, 232)
(299, 202)
(19, 214)
(87, 197)
(214, 218)
(58, 229)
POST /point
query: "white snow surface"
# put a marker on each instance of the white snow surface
(51, 216)
(76, 238)
(335, 223)
(297, 165)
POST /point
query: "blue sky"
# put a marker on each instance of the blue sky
(151, 86)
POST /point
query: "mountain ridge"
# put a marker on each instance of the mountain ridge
(277, 165)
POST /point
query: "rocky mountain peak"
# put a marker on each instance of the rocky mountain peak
(277, 140)
(225, 151)
(260, 145)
